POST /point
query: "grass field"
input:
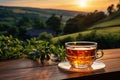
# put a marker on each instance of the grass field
(102, 31)
(112, 23)
(109, 25)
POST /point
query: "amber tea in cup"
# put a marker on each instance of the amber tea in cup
(81, 54)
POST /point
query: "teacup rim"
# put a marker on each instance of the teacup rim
(95, 43)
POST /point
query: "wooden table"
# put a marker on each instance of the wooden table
(25, 69)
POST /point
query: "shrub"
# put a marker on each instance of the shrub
(45, 36)
(67, 39)
(10, 48)
(105, 41)
(90, 36)
(13, 48)
(79, 37)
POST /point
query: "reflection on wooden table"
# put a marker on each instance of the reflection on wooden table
(25, 69)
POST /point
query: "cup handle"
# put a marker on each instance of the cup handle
(97, 53)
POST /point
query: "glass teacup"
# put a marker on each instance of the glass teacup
(81, 54)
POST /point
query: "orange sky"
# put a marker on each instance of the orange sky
(88, 5)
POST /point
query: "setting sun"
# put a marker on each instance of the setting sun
(76, 5)
(82, 3)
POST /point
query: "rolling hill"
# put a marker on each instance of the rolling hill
(109, 25)
(29, 18)
(101, 31)
(43, 13)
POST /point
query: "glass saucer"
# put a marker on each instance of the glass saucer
(95, 66)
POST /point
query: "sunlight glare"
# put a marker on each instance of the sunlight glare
(82, 3)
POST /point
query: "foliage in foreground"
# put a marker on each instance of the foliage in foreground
(105, 41)
(13, 48)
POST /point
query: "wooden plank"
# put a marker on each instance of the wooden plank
(25, 69)
(20, 64)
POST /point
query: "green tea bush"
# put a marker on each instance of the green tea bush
(79, 37)
(105, 41)
(13, 48)
(67, 39)
(45, 36)
(108, 41)
(10, 48)
(38, 49)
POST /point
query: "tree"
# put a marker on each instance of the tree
(118, 6)
(38, 23)
(54, 23)
(13, 31)
(24, 22)
(71, 27)
(110, 9)
(92, 18)
(22, 33)
(82, 22)
(74, 24)
(4, 27)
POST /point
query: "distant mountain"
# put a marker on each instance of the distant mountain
(44, 13)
